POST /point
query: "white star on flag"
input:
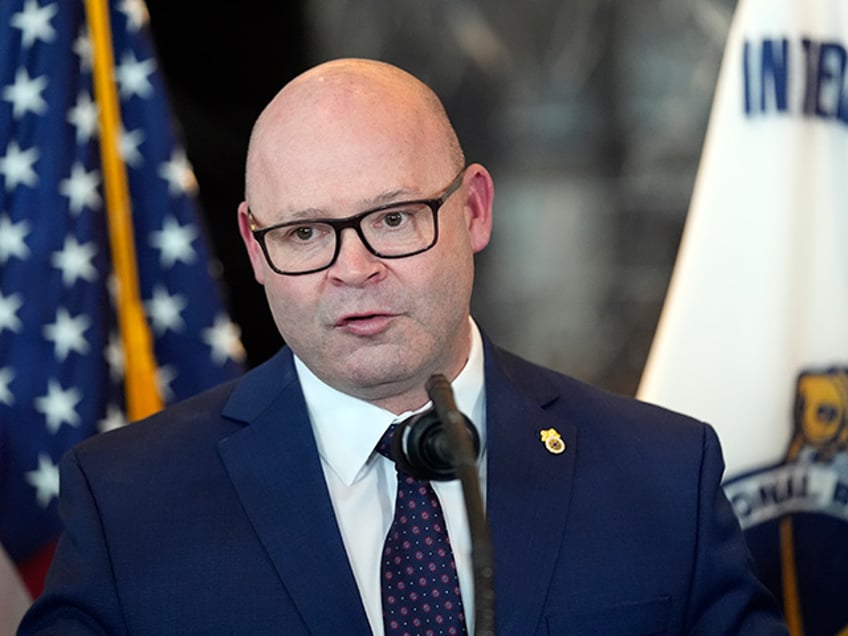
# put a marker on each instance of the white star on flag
(67, 333)
(75, 261)
(7, 374)
(25, 94)
(129, 144)
(9, 306)
(45, 480)
(81, 188)
(136, 12)
(174, 242)
(115, 418)
(164, 376)
(133, 76)
(82, 48)
(114, 354)
(34, 23)
(83, 117)
(12, 237)
(224, 339)
(164, 310)
(17, 166)
(59, 406)
(178, 173)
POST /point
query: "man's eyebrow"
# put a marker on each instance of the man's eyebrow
(387, 198)
(398, 195)
(394, 196)
(305, 214)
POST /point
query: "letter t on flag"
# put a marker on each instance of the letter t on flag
(754, 333)
(105, 274)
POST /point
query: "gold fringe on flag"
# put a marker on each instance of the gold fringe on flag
(140, 366)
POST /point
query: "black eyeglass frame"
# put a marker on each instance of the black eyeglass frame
(355, 222)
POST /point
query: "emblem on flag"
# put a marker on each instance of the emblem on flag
(795, 514)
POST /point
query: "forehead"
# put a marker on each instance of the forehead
(345, 147)
(332, 191)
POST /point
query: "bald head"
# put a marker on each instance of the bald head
(340, 107)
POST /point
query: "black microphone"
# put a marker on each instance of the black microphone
(422, 447)
(442, 444)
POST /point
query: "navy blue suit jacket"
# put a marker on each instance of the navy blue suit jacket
(213, 517)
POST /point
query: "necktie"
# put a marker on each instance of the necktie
(418, 573)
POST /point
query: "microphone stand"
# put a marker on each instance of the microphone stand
(465, 459)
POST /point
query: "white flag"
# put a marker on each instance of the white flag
(754, 333)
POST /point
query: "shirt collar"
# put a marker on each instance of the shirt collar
(347, 429)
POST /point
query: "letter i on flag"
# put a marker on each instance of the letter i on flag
(754, 333)
(108, 304)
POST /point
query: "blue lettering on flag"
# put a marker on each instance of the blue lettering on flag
(771, 59)
(774, 68)
(819, 69)
(830, 80)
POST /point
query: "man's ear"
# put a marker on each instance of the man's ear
(480, 192)
(254, 250)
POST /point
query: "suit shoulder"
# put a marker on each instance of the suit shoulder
(589, 405)
(196, 422)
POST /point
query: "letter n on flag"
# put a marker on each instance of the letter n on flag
(109, 307)
(754, 333)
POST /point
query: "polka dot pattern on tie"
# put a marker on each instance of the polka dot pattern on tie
(419, 582)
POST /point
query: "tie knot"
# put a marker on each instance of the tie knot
(384, 446)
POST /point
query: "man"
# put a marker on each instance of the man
(261, 506)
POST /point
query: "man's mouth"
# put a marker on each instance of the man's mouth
(365, 324)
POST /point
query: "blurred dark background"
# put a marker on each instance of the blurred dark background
(589, 113)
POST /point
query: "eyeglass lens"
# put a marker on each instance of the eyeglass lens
(391, 232)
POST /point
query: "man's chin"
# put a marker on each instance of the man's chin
(382, 372)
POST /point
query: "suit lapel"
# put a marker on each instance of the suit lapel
(274, 465)
(275, 468)
(529, 488)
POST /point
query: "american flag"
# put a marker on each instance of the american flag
(62, 364)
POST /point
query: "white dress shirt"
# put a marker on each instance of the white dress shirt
(362, 483)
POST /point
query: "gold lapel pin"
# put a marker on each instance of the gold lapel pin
(553, 441)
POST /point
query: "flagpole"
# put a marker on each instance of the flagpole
(140, 367)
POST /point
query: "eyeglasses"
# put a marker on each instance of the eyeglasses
(394, 230)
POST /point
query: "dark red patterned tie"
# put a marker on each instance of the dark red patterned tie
(418, 573)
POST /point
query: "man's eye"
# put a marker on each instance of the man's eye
(303, 233)
(393, 219)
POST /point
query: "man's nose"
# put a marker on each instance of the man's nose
(355, 264)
